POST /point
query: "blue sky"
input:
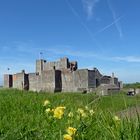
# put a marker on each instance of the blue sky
(97, 33)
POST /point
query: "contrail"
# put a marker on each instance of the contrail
(114, 17)
(83, 24)
(108, 26)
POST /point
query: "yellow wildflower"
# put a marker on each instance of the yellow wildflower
(84, 114)
(48, 110)
(67, 137)
(116, 118)
(70, 115)
(86, 107)
(91, 112)
(58, 112)
(81, 112)
(71, 131)
(46, 102)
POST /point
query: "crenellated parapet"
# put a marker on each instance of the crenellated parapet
(61, 64)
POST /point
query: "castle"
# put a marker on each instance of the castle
(62, 76)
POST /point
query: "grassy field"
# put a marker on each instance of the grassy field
(68, 116)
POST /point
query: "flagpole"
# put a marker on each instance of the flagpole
(40, 55)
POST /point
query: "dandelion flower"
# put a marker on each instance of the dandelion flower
(71, 131)
(84, 114)
(81, 112)
(116, 118)
(46, 102)
(48, 110)
(70, 115)
(58, 112)
(91, 112)
(67, 137)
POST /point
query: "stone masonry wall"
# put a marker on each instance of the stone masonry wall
(40, 65)
(20, 81)
(81, 79)
(63, 63)
(91, 79)
(60, 75)
(47, 81)
(67, 81)
(33, 81)
(8, 81)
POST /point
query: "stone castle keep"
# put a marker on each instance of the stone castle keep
(62, 76)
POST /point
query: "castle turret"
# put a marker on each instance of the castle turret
(40, 65)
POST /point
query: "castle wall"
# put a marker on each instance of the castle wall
(40, 65)
(78, 81)
(8, 81)
(67, 78)
(51, 65)
(63, 63)
(91, 79)
(81, 80)
(20, 81)
(109, 80)
(62, 76)
(46, 81)
(116, 81)
(106, 80)
(33, 81)
(107, 89)
(120, 84)
(98, 75)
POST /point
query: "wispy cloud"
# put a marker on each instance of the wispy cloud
(57, 51)
(127, 59)
(20, 48)
(67, 51)
(90, 33)
(117, 24)
(70, 52)
(89, 6)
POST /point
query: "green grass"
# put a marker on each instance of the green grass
(132, 85)
(22, 116)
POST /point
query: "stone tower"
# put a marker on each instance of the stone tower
(40, 65)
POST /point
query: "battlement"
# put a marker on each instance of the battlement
(61, 64)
